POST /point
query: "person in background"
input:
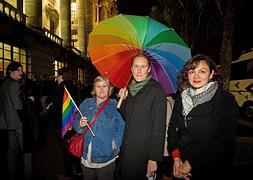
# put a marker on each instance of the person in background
(203, 124)
(30, 121)
(11, 105)
(64, 78)
(100, 151)
(144, 111)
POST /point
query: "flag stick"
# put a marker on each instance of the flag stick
(79, 111)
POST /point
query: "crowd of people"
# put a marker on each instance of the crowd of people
(151, 135)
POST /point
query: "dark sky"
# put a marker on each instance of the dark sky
(243, 33)
(243, 36)
(134, 7)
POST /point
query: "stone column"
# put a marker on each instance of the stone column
(103, 13)
(20, 5)
(33, 9)
(65, 22)
(81, 32)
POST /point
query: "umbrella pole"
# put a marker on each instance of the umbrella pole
(120, 102)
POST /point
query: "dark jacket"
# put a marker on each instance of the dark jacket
(145, 123)
(10, 104)
(30, 119)
(208, 141)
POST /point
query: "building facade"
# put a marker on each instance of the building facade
(45, 35)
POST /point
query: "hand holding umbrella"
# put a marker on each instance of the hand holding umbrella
(123, 92)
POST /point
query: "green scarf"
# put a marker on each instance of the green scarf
(136, 86)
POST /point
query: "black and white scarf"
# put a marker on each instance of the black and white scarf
(192, 97)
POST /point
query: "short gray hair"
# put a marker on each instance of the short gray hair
(99, 79)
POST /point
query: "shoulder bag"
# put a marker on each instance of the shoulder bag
(76, 143)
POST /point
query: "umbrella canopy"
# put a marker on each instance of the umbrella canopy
(114, 42)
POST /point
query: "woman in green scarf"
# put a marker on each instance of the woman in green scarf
(144, 111)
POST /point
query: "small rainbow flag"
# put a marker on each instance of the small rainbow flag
(69, 110)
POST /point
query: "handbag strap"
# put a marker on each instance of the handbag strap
(97, 113)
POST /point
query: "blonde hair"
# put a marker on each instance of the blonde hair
(142, 54)
(99, 79)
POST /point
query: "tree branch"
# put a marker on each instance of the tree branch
(218, 3)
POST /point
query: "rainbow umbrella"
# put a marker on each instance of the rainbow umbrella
(114, 42)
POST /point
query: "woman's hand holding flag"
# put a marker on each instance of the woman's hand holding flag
(83, 122)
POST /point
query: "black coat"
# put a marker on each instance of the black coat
(30, 118)
(144, 135)
(208, 141)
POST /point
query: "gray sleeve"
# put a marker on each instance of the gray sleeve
(15, 96)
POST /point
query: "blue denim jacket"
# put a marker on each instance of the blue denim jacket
(108, 129)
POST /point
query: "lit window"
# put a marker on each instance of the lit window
(81, 76)
(7, 47)
(9, 53)
(58, 65)
(1, 53)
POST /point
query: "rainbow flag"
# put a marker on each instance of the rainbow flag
(69, 110)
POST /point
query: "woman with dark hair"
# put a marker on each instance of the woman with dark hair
(203, 124)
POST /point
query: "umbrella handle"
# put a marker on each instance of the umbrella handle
(120, 102)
